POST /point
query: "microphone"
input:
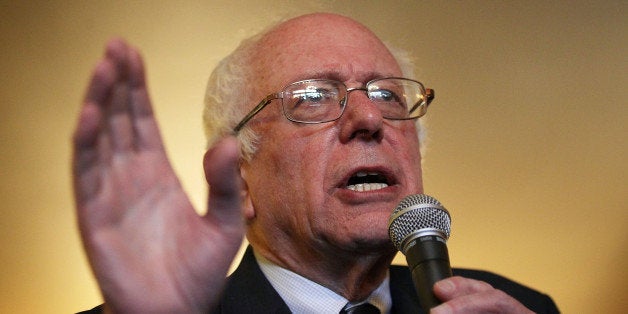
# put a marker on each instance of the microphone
(419, 227)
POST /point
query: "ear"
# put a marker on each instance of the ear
(247, 203)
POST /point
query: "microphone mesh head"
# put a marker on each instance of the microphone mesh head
(415, 213)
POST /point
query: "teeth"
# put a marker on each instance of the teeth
(360, 183)
(364, 174)
(364, 187)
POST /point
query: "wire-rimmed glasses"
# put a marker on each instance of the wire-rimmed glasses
(322, 100)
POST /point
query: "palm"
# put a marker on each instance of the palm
(148, 248)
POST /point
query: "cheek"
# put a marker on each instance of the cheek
(303, 148)
(404, 136)
(295, 162)
(287, 180)
(407, 147)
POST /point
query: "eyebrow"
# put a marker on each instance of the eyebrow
(339, 75)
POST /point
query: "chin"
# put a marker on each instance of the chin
(371, 240)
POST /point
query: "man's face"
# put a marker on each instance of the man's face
(299, 179)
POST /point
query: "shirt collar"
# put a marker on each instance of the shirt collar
(292, 288)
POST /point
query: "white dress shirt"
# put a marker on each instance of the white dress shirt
(318, 299)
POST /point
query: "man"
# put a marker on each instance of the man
(315, 183)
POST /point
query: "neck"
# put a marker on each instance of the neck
(352, 274)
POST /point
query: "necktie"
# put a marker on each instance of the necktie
(364, 308)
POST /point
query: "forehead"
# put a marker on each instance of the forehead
(322, 47)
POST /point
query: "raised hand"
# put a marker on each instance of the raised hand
(149, 250)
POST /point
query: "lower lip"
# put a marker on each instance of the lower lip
(386, 194)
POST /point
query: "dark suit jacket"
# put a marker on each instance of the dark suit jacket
(248, 291)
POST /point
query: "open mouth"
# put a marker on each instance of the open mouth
(367, 181)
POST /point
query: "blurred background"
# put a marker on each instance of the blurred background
(527, 136)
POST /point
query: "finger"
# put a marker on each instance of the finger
(88, 127)
(489, 301)
(117, 104)
(86, 154)
(102, 80)
(145, 128)
(457, 286)
(223, 176)
(91, 146)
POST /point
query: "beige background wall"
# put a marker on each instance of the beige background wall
(528, 131)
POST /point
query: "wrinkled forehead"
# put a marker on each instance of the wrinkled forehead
(321, 46)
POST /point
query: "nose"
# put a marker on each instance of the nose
(362, 119)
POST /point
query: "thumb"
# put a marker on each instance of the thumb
(221, 164)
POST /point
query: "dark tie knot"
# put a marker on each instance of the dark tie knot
(364, 308)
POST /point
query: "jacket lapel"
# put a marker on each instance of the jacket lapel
(248, 291)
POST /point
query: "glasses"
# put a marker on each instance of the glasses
(320, 100)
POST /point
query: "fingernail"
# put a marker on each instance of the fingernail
(441, 309)
(445, 286)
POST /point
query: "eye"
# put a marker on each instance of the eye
(383, 95)
(391, 101)
(312, 97)
(313, 101)
(388, 97)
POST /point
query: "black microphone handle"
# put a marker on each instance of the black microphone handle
(428, 260)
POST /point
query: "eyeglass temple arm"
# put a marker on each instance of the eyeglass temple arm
(429, 94)
(253, 112)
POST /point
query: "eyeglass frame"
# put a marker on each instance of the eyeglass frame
(429, 96)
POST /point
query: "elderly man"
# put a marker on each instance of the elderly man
(310, 174)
